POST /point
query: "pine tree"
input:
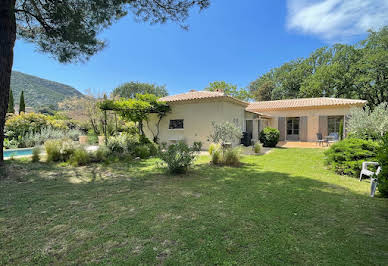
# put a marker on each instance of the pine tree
(11, 105)
(22, 105)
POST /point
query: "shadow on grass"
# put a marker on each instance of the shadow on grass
(227, 214)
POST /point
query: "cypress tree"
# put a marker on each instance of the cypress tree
(22, 105)
(11, 105)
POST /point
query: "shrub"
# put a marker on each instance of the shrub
(269, 137)
(178, 157)
(67, 149)
(346, 156)
(10, 144)
(216, 156)
(213, 147)
(35, 155)
(79, 157)
(53, 150)
(382, 157)
(153, 148)
(101, 154)
(197, 146)
(228, 156)
(231, 156)
(142, 151)
(20, 125)
(117, 144)
(257, 147)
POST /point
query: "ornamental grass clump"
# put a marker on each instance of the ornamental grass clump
(224, 155)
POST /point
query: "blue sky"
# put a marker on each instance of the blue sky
(235, 41)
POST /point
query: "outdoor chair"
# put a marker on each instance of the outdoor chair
(320, 139)
(366, 172)
(372, 175)
(332, 138)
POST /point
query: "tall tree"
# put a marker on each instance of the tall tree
(69, 29)
(130, 89)
(22, 104)
(229, 89)
(11, 104)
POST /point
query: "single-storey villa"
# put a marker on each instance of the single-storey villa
(192, 114)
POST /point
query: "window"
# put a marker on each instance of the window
(293, 126)
(176, 124)
(334, 123)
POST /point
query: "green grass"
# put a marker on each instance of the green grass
(280, 208)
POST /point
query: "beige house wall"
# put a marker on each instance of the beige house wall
(312, 117)
(198, 118)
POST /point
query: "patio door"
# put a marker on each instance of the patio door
(293, 128)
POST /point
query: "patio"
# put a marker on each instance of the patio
(300, 144)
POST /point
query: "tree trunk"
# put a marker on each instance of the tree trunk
(7, 42)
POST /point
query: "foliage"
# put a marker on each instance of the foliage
(117, 144)
(367, 123)
(142, 151)
(35, 154)
(228, 89)
(53, 150)
(178, 157)
(20, 125)
(225, 132)
(216, 155)
(22, 104)
(213, 147)
(101, 154)
(137, 110)
(224, 156)
(130, 89)
(132, 145)
(11, 104)
(79, 157)
(382, 158)
(231, 156)
(11, 144)
(41, 93)
(257, 147)
(346, 156)
(197, 146)
(343, 71)
(269, 137)
(69, 30)
(85, 111)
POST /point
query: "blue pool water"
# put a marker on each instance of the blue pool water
(17, 152)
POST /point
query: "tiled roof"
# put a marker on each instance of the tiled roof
(303, 103)
(198, 95)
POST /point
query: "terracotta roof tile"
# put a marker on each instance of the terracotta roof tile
(198, 95)
(302, 103)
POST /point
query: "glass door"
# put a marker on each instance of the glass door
(293, 128)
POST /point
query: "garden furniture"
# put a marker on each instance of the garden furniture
(373, 180)
(320, 139)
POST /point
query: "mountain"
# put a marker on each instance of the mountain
(39, 92)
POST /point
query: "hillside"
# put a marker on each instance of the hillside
(39, 92)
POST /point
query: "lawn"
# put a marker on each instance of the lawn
(280, 208)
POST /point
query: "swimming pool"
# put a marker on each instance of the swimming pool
(17, 152)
